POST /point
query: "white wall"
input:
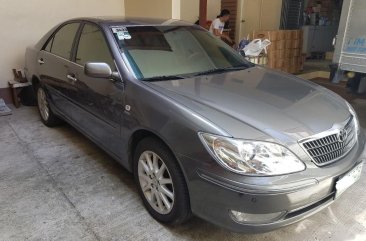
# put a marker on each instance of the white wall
(189, 10)
(149, 8)
(213, 9)
(24, 22)
(176, 9)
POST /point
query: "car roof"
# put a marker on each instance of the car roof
(133, 21)
(109, 21)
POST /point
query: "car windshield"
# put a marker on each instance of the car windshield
(175, 52)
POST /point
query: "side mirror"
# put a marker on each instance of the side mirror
(100, 70)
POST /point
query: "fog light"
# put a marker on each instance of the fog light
(248, 218)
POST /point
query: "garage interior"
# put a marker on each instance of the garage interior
(55, 184)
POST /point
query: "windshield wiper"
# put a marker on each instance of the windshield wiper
(221, 70)
(164, 77)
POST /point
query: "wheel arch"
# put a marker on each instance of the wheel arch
(35, 82)
(141, 134)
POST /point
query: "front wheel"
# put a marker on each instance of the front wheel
(161, 183)
(47, 116)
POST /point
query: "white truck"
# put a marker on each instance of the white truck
(350, 46)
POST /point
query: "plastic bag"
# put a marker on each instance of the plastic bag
(255, 47)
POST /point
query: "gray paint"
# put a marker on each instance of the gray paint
(256, 103)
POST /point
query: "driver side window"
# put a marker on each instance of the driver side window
(93, 47)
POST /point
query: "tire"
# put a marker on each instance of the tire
(47, 116)
(154, 176)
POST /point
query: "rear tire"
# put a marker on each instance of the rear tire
(47, 116)
(161, 183)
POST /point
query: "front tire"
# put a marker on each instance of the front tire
(161, 183)
(47, 116)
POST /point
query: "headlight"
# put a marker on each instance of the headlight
(355, 118)
(255, 158)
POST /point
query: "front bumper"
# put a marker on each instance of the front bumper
(214, 194)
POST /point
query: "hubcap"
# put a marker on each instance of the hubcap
(42, 104)
(156, 182)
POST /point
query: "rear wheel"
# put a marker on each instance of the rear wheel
(161, 183)
(47, 116)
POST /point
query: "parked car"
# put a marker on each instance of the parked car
(204, 131)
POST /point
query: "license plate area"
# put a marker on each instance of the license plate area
(348, 180)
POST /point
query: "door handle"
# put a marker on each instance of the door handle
(40, 61)
(71, 77)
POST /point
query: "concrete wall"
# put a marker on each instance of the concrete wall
(23, 23)
(149, 8)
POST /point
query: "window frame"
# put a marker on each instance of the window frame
(51, 38)
(77, 42)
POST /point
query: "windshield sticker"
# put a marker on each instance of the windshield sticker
(122, 33)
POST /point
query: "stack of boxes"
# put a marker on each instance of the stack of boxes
(285, 51)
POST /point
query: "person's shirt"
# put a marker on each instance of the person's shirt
(217, 24)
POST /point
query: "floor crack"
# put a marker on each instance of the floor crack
(29, 152)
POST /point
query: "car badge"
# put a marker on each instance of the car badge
(342, 135)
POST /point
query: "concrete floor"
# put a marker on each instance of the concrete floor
(57, 185)
(311, 65)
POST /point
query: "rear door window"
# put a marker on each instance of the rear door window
(61, 43)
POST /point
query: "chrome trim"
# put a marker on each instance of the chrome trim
(335, 130)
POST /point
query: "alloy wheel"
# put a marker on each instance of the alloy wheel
(43, 104)
(156, 182)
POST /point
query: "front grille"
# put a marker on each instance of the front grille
(332, 145)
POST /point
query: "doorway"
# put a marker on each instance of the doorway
(258, 15)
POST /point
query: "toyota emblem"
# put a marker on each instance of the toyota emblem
(342, 135)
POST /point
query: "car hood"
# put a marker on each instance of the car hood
(278, 105)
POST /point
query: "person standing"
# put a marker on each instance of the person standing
(218, 25)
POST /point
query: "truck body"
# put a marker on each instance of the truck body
(350, 48)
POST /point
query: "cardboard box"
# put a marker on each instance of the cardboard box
(296, 52)
(279, 63)
(273, 36)
(271, 64)
(288, 34)
(296, 34)
(295, 44)
(281, 44)
(286, 62)
(260, 35)
(289, 53)
(294, 61)
(281, 53)
(281, 34)
(289, 43)
(272, 47)
(286, 69)
(270, 35)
